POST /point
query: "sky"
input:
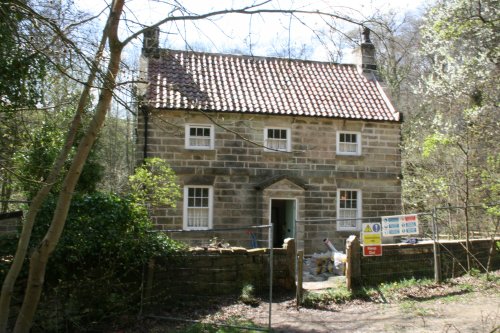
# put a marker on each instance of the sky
(304, 36)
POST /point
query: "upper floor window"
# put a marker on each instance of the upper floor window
(277, 139)
(199, 136)
(348, 209)
(348, 143)
(198, 205)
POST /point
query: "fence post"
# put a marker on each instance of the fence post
(291, 254)
(436, 248)
(353, 262)
(300, 274)
(271, 265)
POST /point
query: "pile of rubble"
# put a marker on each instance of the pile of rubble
(321, 266)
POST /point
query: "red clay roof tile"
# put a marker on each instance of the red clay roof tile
(230, 83)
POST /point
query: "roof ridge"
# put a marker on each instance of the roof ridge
(253, 57)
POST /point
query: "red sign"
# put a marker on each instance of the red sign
(372, 250)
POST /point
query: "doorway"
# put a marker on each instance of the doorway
(283, 218)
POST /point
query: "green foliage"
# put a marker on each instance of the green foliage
(95, 272)
(248, 295)
(462, 37)
(103, 229)
(40, 155)
(451, 136)
(22, 66)
(36, 162)
(432, 142)
(336, 295)
(154, 183)
(389, 288)
(490, 177)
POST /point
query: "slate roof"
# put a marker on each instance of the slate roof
(260, 85)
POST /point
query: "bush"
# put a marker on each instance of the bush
(95, 272)
(8, 244)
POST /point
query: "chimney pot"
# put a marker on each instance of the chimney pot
(151, 40)
(365, 56)
(366, 35)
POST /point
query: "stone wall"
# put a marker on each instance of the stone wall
(405, 261)
(238, 164)
(10, 222)
(205, 273)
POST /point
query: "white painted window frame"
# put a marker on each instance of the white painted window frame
(359, 212)
(188, 137)
(186, 208)
(358, 144)
(288, 139)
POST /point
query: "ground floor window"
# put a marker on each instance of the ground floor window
(198, 203)
(348, 209)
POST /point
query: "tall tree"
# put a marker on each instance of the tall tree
(461, 40)
(53, 175)
(459, 135)
(22, 67)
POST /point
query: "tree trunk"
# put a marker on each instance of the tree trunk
(38, 261)
(37, 201)
(5, 193)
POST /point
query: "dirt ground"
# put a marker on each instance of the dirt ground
(436, 308)
(474, 312)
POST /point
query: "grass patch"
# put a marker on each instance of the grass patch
(329, 296)
(413, 308)
(394, 287)
(409, 291)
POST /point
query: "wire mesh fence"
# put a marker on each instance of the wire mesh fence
(448, 241)
(471, 222)
(193, 287)
(190, 288)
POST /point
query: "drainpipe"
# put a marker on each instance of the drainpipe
(145, 113)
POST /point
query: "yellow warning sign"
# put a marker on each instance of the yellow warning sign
(371, 238)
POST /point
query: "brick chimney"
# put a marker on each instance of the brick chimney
(151, 40)
(364, 56)
(150, 49)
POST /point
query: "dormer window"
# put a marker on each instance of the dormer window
(277, 139)
(199, 136)
(348, 143)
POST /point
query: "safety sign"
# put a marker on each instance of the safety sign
(400, 225)
(371, 237)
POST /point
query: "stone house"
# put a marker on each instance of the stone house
(255, 140)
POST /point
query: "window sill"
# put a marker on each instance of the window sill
(201, 149)
(276, 151)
